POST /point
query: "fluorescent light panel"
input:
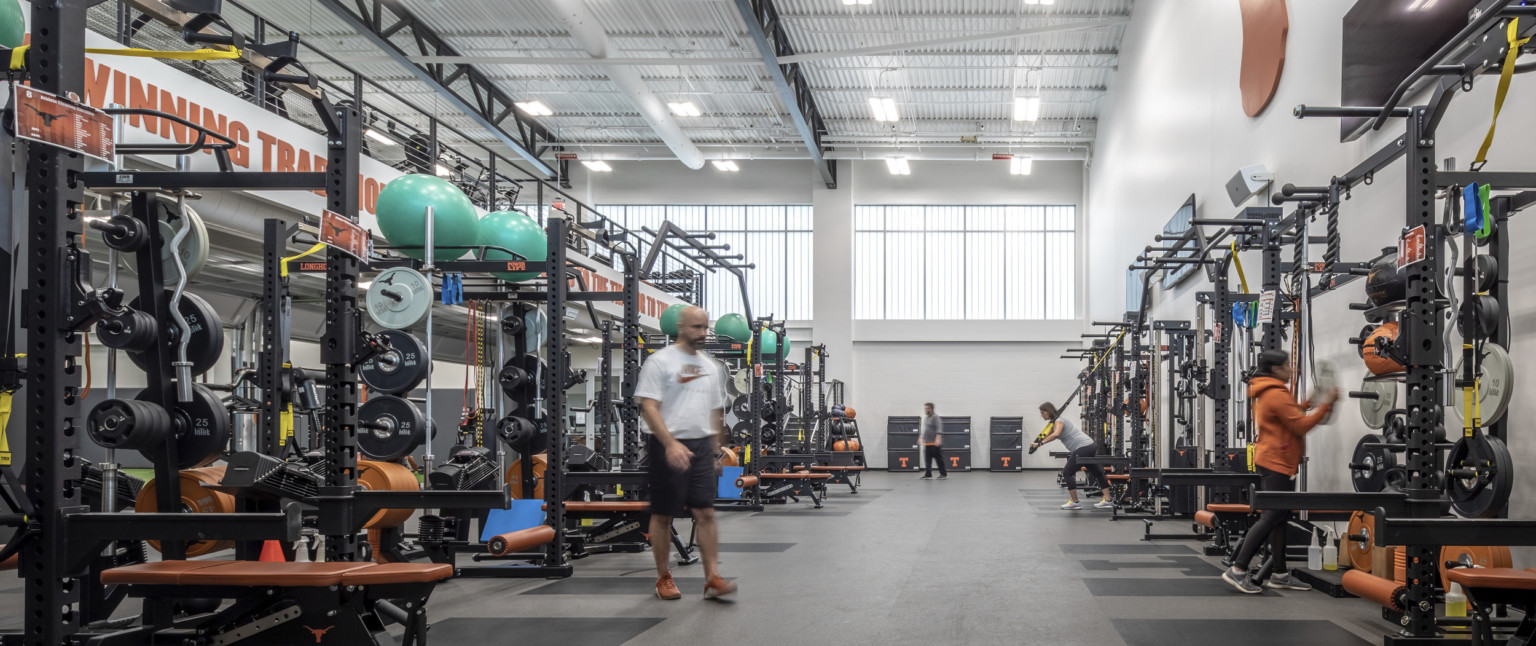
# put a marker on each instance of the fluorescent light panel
(1021, 165)
(597, 166)
(1026, 108)
(534, 108)
(684, 109)
(898, 166)
(884, 108)
(726, 165)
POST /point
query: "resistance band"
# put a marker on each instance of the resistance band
(1505, 74)
(5, 421)
(19, 55)
(283, 271)
(1047, 430)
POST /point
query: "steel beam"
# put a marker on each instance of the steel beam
(386, 23)
(793, 88)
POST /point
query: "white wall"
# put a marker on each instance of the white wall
(1173, 124)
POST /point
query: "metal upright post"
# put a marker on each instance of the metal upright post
(554, 389)
(338, 347)
(629, 411)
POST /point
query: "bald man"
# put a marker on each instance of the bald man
(682, 400)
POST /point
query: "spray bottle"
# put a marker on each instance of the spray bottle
(1455, 601)
(1331, 551)
(1315, 551)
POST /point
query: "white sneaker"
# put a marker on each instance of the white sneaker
(1071, 505)
(1103, 504)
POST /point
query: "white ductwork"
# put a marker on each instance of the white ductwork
(869, 153)
(589, 32)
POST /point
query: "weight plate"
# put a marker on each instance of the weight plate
(398, 371)
(1325, 378)
(1485, 270)
(128, 424)
(522, 435)
(207, 333)
(1486, 315)
(194, 248)
(741, 407)
(538, 329)
(514, 476)
(1368, 465)
(1359, 541)
(389, 428)
(1475, 556)
(742, 432)
(399, 298)
(386, 476)
(133, 331)
(195, 498)
(203, 429)
(1495, 385)
(1374, 410)
(1486, 493)
(743, 381)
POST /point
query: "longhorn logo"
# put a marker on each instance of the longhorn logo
(319, 634)
(1265, 25)
(47, 117)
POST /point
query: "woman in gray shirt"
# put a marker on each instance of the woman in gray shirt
(1079, 445)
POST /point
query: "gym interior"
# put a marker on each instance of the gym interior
(1100, 322)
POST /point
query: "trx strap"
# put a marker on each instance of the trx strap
(1469, 400)
(1046, 431)
(285, 425)
(1505, 74)
(19, 54)
(283, 271)
(1238, 263)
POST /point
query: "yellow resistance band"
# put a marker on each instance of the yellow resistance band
(1047, 430)
(5, 420)
(1238, 262)
(283, 272)
(1505, 74)
(19, 55)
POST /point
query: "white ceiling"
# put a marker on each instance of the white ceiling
(946, 93)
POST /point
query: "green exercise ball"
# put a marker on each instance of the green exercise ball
(669, 319)
(771, 345)
(514, 232)
(13, 24)
(402, 209)
(734, 327)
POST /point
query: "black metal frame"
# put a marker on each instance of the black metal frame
(794, 90)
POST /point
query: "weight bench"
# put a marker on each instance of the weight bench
(779, 486)
(279, 603)
(1229, 520)
(1486, 587)
(622, 527)
(841, 474)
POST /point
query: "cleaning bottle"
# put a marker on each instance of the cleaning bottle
(1315, 552)
(1330, 551)
(1455, 602)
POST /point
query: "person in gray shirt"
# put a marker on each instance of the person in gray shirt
(931, 443)
(1079, 446)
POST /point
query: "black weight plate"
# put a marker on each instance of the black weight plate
(742, 431)
(128, 424)
(742, 407)
(207, 333)
(1485, 270)
(522, 435)
(389, 428)
(203, 429)
(1486, 315)
(1369, 465)
(770, 436)
(398, 371)
(1486, 495)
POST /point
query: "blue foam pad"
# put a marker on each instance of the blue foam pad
(728, 476)
(523, 514)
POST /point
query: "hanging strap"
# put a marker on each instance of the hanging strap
(19, 54)
(5, 420)
(1238, 263)
(283, 271)
(1505, 74)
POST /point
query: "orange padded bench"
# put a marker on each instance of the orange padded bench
(1118, 476)
(836, 468)
(1229, 508)
(258, 574)
(795, 476)
(521, 540)
(1206, 518)
(579, 506)
(1486, 587)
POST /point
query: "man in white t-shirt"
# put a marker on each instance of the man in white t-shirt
(682, 400)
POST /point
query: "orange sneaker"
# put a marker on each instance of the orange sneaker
(718, 588)
(666, 589)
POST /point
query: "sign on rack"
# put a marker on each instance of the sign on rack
(45, 118)
(341, 233)
(1411, 248)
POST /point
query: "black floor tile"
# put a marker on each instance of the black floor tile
(1225, 632)
(567, 631)
(1192, 587)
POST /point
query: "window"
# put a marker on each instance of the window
(965, 262)
(776, 238)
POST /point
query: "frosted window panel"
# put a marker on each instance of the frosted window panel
(765, 218)
(690, 217)
(984, 218)
(945, 298)
(904, 275)
(904, 218)
(984, 275)
(799, 217)
(726, 218)
(945, 218)
(869, 275)
(1025, 218)
(1061, 218)
(869, 218)
(798, 275)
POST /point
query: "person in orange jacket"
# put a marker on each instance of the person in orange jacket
(1283, 424)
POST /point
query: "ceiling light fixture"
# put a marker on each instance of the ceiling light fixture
(884, 108)
(1020, 166)
(1026, 108)
(726, 165)
(684, 109)
(534, 108)
(597, 166)
(898, 166)
(378, 136)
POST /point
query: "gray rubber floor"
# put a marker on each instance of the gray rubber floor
(980, 558)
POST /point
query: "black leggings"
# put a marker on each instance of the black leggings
(1069, 471)
(1272, 524)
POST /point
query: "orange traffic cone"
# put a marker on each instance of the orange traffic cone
(271, 551)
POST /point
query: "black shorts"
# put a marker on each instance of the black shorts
(673, 492)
